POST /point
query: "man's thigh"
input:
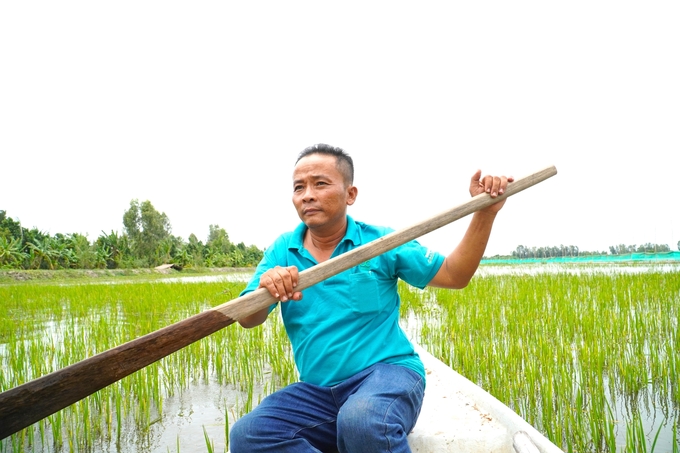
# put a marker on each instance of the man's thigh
(381, 411)
(298, 418)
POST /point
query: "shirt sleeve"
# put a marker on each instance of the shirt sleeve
(416, 264)
(269, 260)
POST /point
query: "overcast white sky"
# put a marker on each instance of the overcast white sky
(202, 107)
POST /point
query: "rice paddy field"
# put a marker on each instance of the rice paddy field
(588, 355)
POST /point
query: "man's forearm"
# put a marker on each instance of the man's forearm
(255, 319)
(461, 264)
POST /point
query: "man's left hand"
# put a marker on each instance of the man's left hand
(493, 185)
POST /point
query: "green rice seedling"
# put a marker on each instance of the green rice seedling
(635, 436)
(210, 445)
(577, 354)
(64, 324)
(656, 437)
(547, 343)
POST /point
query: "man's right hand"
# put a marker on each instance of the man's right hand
(281, 283)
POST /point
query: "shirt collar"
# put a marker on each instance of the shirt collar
(353, 234)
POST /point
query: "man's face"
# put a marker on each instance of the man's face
(320, 194)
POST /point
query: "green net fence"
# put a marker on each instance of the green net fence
(665, 256)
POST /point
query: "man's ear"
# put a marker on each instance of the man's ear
(352, 192)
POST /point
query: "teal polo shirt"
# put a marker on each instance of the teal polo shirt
(350, 321)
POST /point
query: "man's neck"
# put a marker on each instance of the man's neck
(321, 244)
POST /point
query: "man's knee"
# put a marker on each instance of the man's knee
(363, 423)
(238, 436)
(357, 415)
(365, 430)
(248, 432)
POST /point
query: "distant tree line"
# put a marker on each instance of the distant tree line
(146, 242)
(623, 249)
(522, 251)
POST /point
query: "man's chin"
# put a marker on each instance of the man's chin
(314, 222)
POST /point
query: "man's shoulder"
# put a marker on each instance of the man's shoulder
(286, 240)
(372, 230)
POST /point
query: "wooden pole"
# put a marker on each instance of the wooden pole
(30, 402)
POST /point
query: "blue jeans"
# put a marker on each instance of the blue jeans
(371, 412)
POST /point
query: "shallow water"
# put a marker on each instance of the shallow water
(230, 277)
(203, 408)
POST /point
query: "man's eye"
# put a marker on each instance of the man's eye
(297, 188)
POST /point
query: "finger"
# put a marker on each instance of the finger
(283, 282)
(267, 281)
(294, 275)
(487, 184)
(495, 186)
(504, 184)
(291, 278)
(475, 178)
(278, 282)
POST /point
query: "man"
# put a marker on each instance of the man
(361, 382)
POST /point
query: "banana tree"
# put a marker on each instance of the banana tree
(111, 248)
(42, 253)
(11, 253)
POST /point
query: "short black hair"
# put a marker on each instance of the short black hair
(344, 160)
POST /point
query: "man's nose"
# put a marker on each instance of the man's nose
(308, 194)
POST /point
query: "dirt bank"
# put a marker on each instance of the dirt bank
(13, 275)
